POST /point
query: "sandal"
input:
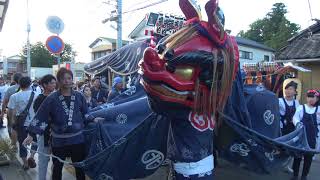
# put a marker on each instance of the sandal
(32, 163)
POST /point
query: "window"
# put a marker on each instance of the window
(96, 55)
(246, 55)
(266, 58)
(152, 19)
(12, 65)
(24, 66)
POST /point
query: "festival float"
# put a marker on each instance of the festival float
(186, 89)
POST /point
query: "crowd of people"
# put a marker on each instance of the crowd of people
(49, 115)
(294, 115)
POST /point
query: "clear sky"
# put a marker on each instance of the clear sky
(83, 18)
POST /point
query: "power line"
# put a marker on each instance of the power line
(137, 4)
(115, 15)
(310, 9)
(146, 6)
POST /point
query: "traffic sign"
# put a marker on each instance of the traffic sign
(55, 24)
(55, 44)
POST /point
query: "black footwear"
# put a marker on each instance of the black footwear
(304, 178)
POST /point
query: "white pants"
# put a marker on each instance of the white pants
(42, 160)
(201, 167)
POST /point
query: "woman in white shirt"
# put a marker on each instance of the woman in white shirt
(308, 115)
(287, 106)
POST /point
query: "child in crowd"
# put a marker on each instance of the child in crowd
(307, 115)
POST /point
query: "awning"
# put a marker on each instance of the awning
(297, 60)
(3, 10)
(299, 68)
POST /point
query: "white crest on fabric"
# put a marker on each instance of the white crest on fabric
(268, 117)
(201, 122)
(122, 118)
(152, 159)
(252, 142)
(130, 91)
(271, 155)
(242, 149)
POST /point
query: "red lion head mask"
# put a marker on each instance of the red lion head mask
(195, 66)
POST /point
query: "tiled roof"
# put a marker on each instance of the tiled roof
(108, 39)
(305, 45)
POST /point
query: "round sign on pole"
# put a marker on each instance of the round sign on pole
(55, 24)
(55, 44)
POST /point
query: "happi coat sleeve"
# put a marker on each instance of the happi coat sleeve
(40, 120)
(298, 115)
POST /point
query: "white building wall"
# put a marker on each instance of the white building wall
(257, 55)
(39, 72)
(102, 42)
(76, 68)
(4, 69)
(141, 34)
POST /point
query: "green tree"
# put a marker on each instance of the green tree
(41, 57)
(273, 30)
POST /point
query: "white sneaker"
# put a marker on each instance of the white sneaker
(289, 170)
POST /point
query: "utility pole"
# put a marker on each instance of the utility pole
(119, 24)
(117, 17)
(28, 43)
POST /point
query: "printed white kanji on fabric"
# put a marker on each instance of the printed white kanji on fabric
(152, 159)
(242, 149)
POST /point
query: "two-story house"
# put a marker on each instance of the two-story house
(253, 52)
(102, 46)
(11, 65)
